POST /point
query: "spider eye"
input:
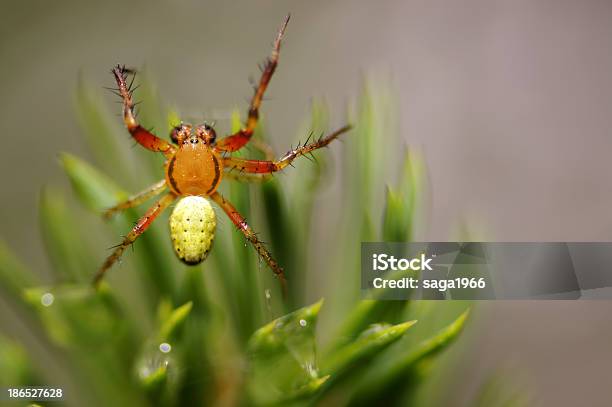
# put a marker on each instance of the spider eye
(206, 133)
(212, 135)
(178, 134)
(174, 134)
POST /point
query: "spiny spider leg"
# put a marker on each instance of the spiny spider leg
(244, 227)
(263, 167)
(140, 134)
(238, 140)
(241, 176)
(140, 227)
(137, 199)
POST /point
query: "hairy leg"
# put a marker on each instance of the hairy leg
(264, 167)
(243, 227)
(141, 226)
(140, 134)
(268, 153)
(137, 199)
(238, 140)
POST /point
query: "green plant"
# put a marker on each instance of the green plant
(161, 333)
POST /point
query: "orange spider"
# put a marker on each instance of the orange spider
(193, 171)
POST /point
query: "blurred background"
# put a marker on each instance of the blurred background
(509, 101)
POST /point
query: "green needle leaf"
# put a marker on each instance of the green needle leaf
(366, 313)
(64, 243)
(155, 371)
(368, 345)
(401, 204)
(85, 322)
(94, 189)
(15, 364)
(174, 321)
(407, 369)
(173, 119)
(14, 276)
(282, 357)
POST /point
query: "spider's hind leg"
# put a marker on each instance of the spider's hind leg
(240, 222)
(141, 226)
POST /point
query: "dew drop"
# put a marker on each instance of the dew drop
(303, 322)
(47, 299)
(165, 347)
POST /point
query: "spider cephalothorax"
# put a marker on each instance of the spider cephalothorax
(194, 168)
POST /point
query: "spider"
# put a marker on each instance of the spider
(194, 168)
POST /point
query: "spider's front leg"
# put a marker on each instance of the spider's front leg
(242, 225)
(141, 226)
(137, 199)
(238, 140)
(264, 167)
(139, 133)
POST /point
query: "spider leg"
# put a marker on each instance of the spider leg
(239, 139)
(141, 226)
(243, 227)
(246, 177)
(139, 133)
(265, 167)
(137, 199)
(241, 176)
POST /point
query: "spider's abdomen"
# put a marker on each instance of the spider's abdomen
(194, 170)
(192, 228)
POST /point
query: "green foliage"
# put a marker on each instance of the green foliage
(401, 206)
(282, 358)
(161, 333)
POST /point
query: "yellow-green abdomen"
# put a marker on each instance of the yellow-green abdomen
(192, 228)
